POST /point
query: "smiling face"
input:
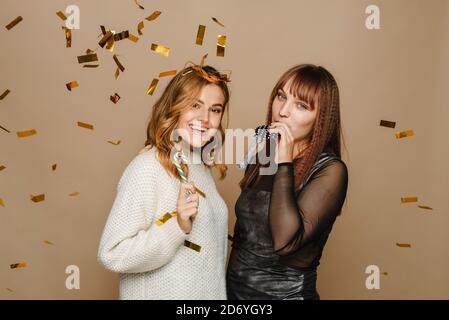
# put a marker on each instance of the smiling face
(200, 123)
(297, 114)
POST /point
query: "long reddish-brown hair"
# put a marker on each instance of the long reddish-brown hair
(318, 88)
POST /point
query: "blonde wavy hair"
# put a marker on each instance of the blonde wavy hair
(180, 95)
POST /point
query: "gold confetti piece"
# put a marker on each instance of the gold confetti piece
(114, 143)
(10, 290)
(3, 128)
(425, 207)
(167, 73)
(68, 37)
(18, 265)
(139, 5)
(153, 16)
(221, 44)
(53, 167)
(403, 134)
(87, 58)
(106, 38)
(2, 167)
(152, 86)
(121, 35)
(91, 65)
(61, 15)
(165, 218)
(85, 125)
(117, 73)
(389, 124)
(38, 198)
(409, 199)
(74, 194)
(201, 193)
(2, 203)
(4, 94)
(13, 23)
(26, 133)
(133, 38)
(71, 85)
(218, 22)
(48, 242)
(160, 49)
(404, 245)
(192, 245)
(385, 273)
(140, 26)
(122, 68)
(230, 238)
(103, 30)
(115, 97)
(200, 34)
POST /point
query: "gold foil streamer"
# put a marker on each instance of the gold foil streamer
(2, 203)
(140, 26)
(71, 85)
(26, 133)
(165, 218)
(160, 49)
(201, 193)
(74, 194)
(114, 143)
(167, 73)
(192, 245)
(85, 125)
(2, 168)
(53, 167)
(68, 37)
(90, 57)
(3, 128)
(200, 34)
(121, 67)
(153, 16)
(103, 30)
(121, 35)
(388, 124)
(117, 73)
(13, 23)
(404, 245)
(115, 97)
(91, 65)
(38, 198)
(221, 44)
(106, 38)
(133, 38)
(61, 15)
(139, 5)
(18, 265)
(48, 242)
(218, 22)
(425, 207)
(403, 134)
(10, 290)
(4, 94)
(409, 199)
(152, 86)
(385, 273)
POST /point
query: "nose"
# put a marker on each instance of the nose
(204, 115)
(284, 111)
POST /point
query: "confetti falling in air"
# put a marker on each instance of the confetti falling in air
(2, 203)
(26, 133)
(217, 22)
(10, 290)
(153, 16)
(61, 15)
(53, 167)
(167, 73)
(4, 94)
(68, 37)
(48, 242)
(90, 57)
(74, 194)
(141, 7)
(221, 44)
(121, 35)
(404, 134)
(2, 168)
(385, 273)
(165, 218)
(404, 245)
(85, 125)
(425, 207)
(152, 86)
(38, 198)
(115, 98)
(72, 84)
(114, 143)
(133, 38)
(160, 49)
(388, 124)
(409, 199)
(192, 245)
(18, 265)
(200, 35)
(140, 27)
(13, 23)
(3, 128)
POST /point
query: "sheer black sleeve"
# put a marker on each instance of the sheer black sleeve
(295, 222)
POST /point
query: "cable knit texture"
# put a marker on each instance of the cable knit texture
(151, 259)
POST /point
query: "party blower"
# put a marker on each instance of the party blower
(261, 133)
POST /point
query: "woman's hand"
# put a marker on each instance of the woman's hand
(285, 144)
(187, 207)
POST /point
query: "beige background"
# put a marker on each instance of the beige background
(398, 73)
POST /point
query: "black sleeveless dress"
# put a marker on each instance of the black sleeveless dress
(270, 212)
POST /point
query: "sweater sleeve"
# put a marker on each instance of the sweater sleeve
(131, 241)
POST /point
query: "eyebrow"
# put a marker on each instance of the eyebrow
(302, 101)
(214, 105)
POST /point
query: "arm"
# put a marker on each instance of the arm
(295, 222)
(131, 242)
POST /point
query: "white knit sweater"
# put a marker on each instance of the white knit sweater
(152, 260)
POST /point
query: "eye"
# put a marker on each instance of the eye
(302, 105)
(217, 110)
(281, 96)
(196, 106)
